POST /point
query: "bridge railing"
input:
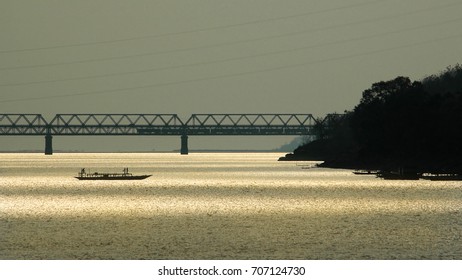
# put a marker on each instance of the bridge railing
(23, 124)
(115, 124)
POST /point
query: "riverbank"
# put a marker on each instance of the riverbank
(434, 166)
(398, 125)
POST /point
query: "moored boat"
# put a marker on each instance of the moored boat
(365, 172)
(125, 175)
(442, 177)
(401, 174)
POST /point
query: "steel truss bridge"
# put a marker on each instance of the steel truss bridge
(157, 124)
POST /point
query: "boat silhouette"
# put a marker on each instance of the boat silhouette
(125, 175)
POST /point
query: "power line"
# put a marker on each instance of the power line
(194, 30)
(240, 74)
(231, 43)
(237, 58)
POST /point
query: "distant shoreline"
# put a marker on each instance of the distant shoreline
(139, 152)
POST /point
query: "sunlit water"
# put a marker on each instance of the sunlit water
(219, 206)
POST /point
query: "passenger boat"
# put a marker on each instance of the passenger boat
(125, 175)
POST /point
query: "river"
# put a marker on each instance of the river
(219, 206)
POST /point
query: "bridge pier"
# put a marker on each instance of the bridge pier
(184, 144)
(48, 144)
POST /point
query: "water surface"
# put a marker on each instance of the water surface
(219, 206)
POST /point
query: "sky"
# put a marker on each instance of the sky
(211, 56)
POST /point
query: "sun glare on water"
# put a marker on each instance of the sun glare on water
(219, 206)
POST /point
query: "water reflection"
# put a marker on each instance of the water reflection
(225, 206)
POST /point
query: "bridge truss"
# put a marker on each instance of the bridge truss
(156, 124)
(249, 124)
(115, 124)
(22, 124)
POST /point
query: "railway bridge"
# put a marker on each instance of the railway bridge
(157, 125)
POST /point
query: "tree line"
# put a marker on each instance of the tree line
(397, 123)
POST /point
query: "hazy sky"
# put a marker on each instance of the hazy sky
(212, 56)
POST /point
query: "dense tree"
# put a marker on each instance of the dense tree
(386, 123)
(449, 80)
(400, 123)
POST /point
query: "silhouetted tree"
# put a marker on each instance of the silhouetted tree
(449, 80)
(382, 116)
(398, 123)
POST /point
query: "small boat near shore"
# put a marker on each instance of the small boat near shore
(125, 175)
(401, 174)
(442, 177)
(365, 172)
(413, 175)
(307, 166)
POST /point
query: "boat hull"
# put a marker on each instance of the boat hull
(92, 178)
(398, 176)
